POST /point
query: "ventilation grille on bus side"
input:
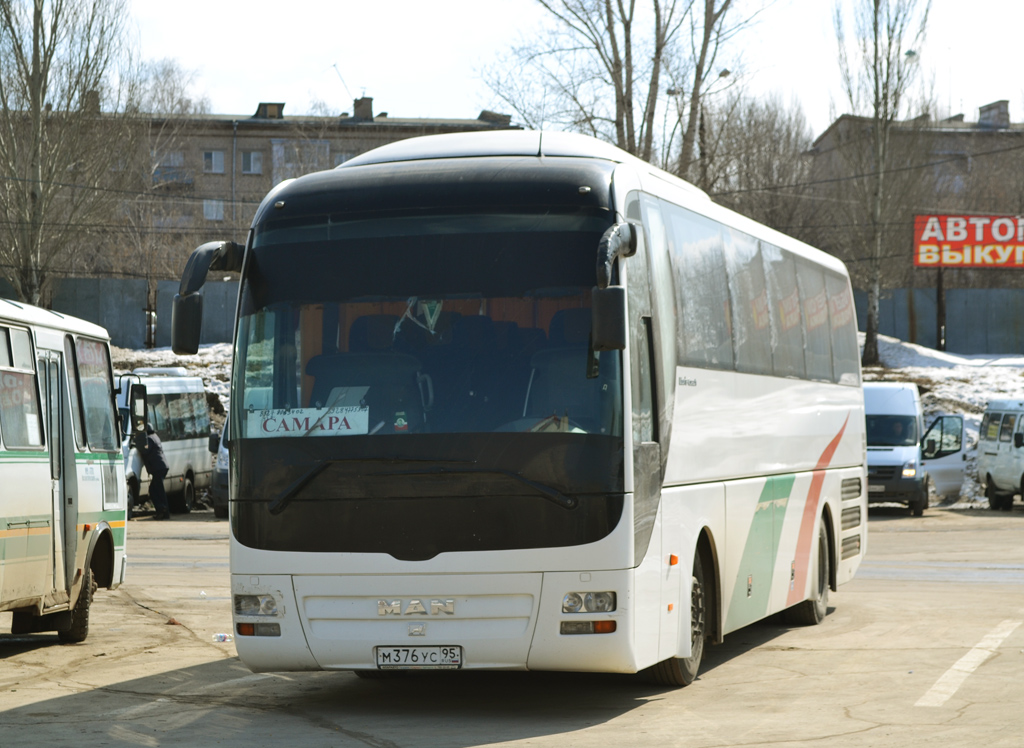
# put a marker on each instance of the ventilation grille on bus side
(851, 517)
(851, 488)
(851, 546)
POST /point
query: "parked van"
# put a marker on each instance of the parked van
(181, 418)
(903, 465)
(1001, 452)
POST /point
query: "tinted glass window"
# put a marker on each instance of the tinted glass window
(843, 320)
(817, 334)
(702, 288)
(784, 297)
(751, 318)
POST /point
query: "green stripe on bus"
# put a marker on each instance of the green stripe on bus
(750, 596)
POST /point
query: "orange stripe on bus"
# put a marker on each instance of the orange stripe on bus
(808, 522)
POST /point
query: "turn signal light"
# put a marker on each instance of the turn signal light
(587, 627)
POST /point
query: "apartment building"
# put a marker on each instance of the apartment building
(210, 172)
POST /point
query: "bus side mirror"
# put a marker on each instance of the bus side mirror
(187, 310)
(608, 318)
(214, 445)
(1018, 440)
(138, 415)
(186, 323)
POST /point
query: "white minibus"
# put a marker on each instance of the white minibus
(62, 511)
(179, 414)
(1001, 452)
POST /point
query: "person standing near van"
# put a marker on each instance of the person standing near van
(155, 462)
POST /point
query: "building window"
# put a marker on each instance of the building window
(213, 162)
(252, 162)
(213, 210)
(340, 158)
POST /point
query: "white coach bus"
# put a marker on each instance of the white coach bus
(521, 401)
(62, 511)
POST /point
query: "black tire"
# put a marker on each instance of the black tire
(183, 502)
(681, 671)
(995, 499)
(812, 612)
(918, 506)
(79, 628)
(133, 496)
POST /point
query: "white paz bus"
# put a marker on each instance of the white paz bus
(62, 510)
(521, 401)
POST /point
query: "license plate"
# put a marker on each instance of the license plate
(875, 488)
(418, 658)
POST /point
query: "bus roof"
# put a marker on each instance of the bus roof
(25, 314)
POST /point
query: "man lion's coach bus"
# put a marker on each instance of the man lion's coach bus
(62, 509)
(521, 401)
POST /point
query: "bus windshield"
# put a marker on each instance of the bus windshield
(400, 368)
(409, 324)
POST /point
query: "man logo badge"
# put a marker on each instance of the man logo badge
(417, 629)
(415, 607)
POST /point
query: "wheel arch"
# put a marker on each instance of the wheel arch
(833, 557)
(707, 549)
(100, 556)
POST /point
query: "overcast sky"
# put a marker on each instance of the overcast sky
(420, 59)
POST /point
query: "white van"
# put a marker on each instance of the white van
(177, 409)
(902, 465)
(1001, 452)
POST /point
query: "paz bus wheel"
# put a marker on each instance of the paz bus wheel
(79, 628)
(812, 612)
(681, 671)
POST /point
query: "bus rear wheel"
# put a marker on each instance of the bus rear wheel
(812, 612)
(681, 671)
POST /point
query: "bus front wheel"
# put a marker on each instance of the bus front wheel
(681, 671)
(79, 628)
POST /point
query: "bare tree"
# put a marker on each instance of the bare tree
(600, 70)
(878, 70)
(155, 214)
(756, 161)
(68, 88)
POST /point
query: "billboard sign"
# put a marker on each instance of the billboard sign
(969, 241)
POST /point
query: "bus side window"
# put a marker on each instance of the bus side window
(20, 411)
(71, 364)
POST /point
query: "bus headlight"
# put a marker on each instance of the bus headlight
(572, 603)
(255, 605)
(588, 602)
(599, 602)
(910, 469)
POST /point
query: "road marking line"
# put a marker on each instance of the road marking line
(950, 681)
